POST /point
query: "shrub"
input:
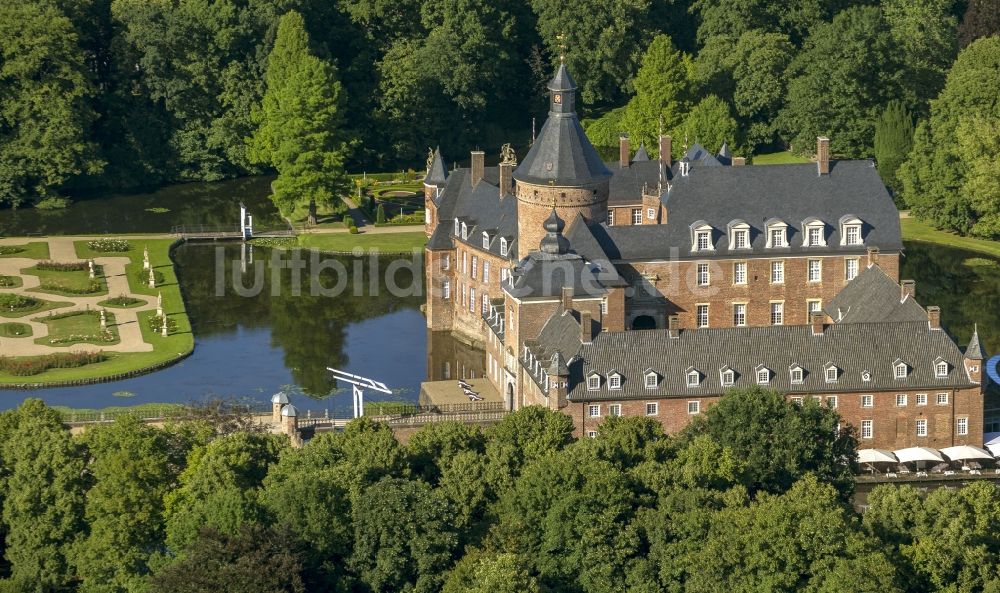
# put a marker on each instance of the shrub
(353, 230)
(17, 302)
(155, 323)
(347, 221)
(10, 249)
(53, 203)
(92, 287)
(51, 266)
(8, 281)
(34, 365)
(141, 277)
(122, 301)
(380, 215)
(107, 245)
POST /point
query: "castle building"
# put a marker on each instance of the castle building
(650, 287)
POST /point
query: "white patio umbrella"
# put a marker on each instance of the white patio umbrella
(876, 456)
(992, 438)
(993, 448)
(966, 452)
(918, 454)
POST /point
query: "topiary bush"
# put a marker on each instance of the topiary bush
(347, 221)
(380, 215)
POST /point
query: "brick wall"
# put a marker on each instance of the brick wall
(535, 202)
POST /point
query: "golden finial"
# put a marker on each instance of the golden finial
(562, 47)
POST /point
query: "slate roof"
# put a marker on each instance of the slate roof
(543, 275)
(974, 351)
(755, 194)
(852, 348)
(437, 174)
(626, 183)
(562, 81)
(873, 296)
(641, 154)
(480, 208)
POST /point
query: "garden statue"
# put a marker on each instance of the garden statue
(152, 279)
(159, 304)
(507, 155)
(164, 327)
(145, 258)
(90, 266)
(104, 320)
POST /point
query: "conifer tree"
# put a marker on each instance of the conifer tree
(893, 140)
(662, 90)
(300, 123)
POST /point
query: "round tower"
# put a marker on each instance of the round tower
(290, 420)
(278, 400)
(562, 170)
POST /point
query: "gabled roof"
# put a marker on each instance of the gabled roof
(437, 174)
(641, 155)
(873, 296)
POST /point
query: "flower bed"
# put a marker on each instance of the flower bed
(9, 282)
(107, 245)
(51, 266)
(17, 302)
(10, 249)
(34, 365)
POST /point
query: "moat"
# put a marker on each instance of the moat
(285, 335)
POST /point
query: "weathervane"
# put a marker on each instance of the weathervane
(507, 156)
(562, 47)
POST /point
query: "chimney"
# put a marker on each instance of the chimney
(506, 179)
(934, 317)
(872, 256)
(567, 298)
(816, 319)
(665, 147)
(909, 289)
(624, 152)
(823, 155)
(478, 163)
(586, 328)
(739, 161)
(673, 326)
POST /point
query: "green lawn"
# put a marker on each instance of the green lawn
(15, 330)
(32, 250)
(779, 158)
(383, 242)
(916, 230)
(40, 306)
(68, 283)
(176, 345)
(82, 327)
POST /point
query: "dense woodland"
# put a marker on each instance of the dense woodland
(117, 94)
(752, 496)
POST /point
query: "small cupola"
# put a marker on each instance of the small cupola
(554, 243)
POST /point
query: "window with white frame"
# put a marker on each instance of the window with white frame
(701, 315)
(832, 373)
(831, 401)
(446, 290)
(636, 216)
(486, 304)
(615, 410)
(458, 228)
(652, 409)
(815, 270)
(446, 261)
(614, 381)
(866, 376)
(942, 399)
(604, 306)
(739, 314)
(703, 275)
(486, 240)
(814, 235)
(777, 234)
(852, 234)
(611, 217)
(867, 401)
(703, 240)
(921, 427)
(591, 434)
(694, 407)
(740, 272)
(777, 313)
(465, 296)
(475, 266)
(763, 376)
(866, 429)
(503, 246)
(728, 378)
(900, 370)
(651, 213)
(739, 235)
(777, 271)
(594, 382)
(961, 426)
(465, 263)
(472, 299)
(486, 271)
(465, 231)
(850, 268)
(504, 274)
(796, 374)
(693, 378)
(651, 380)
(797, 400)
(941, 369)
(594, 411)
(921, 399)
(901, 400)
(813, 306)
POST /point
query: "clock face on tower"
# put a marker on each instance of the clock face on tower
(557, 99)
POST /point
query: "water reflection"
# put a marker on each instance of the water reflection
(211, 204)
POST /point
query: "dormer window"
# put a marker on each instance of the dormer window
(777, 233)
(465, 231)
(486, 240)
(813, 235)
(593, 382)
(866, 376)
(850, 230)
(702, 236)
(503, 246)
(941, 368)
(727, 376)
(797, 374)
(614, 381)
(693, 377)
(685, 167)
(739, 235)
(458, 229)
(900, 369)
(763, 375)
(832, 373)
(651, 379)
